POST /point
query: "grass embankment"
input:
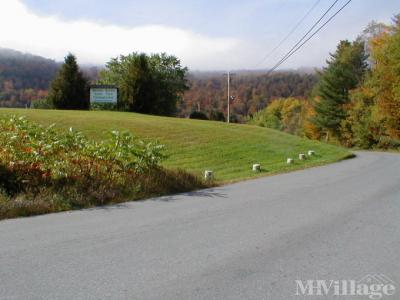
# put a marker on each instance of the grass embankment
(194, 145)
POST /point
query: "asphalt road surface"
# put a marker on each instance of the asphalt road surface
(249, 240)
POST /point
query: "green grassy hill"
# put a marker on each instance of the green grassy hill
(194, 145)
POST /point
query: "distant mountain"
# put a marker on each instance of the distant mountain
(26, 70)
(25, 77)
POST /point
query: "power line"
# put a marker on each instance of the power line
(290, 53)
(312, 27)
(290, 32)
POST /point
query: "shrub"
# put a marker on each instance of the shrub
(199, 115)
(216, 115)
(37, 153)
(104, 106)
(43, 169)
(42, 104)
(234, 118)
(33, 157)
(286, 114)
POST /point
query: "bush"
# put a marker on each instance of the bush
(38, 154)
(43, 169)
(42, 104)
(104, 106)
(199, 115)
(216, 115)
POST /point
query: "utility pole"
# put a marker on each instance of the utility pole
(229, 96)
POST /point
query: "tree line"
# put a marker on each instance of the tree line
(158, 84)
(27, 80)
(356, 102)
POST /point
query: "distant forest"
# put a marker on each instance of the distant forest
(252, 91)
(26, 77)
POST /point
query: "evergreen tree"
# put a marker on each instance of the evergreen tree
(344, 72)
(69, 90)
(137, 86)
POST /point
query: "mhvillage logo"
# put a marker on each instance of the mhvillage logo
(370, 286)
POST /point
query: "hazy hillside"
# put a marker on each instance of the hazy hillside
(26, 70)
(25, 77)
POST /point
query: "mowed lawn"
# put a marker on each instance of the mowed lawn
(195, 145)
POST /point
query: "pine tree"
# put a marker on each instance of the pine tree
(69, 90)
(344, 72)
(138, 86)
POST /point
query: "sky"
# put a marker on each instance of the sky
(204, 34)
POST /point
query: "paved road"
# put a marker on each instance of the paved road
(249, 240)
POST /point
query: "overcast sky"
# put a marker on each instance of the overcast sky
(204, 34)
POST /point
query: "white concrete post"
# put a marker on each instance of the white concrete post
(208, 175)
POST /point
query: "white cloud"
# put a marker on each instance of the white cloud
(96, 43)
(52, 37)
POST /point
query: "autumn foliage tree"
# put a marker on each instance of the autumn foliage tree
(374, 112)
(385, 78)
(284, 114)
